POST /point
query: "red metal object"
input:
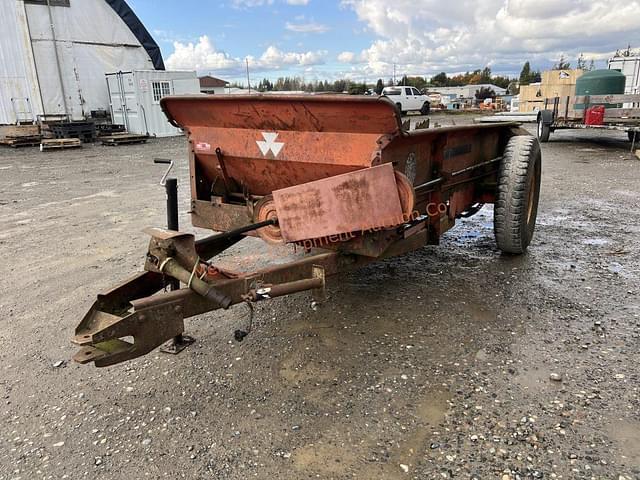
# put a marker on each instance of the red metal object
(272, 142)
(333, 172)
(355, 201)
(594, 115)
(243, 148)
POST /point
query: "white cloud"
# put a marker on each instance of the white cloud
(273, 58)
(298, 2)
(199, 56)
(311, 27)
(203, 56)
(430, 35)
(250, 3)
(347, 57)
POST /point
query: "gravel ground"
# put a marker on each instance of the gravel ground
(451, 362)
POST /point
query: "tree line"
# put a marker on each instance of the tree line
(527, 76)
(298, 84)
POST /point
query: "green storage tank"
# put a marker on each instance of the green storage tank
(600, 82)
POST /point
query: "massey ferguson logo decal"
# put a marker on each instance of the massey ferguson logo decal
(269, 144)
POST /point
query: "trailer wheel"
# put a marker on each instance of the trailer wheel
(516, 206)
(544, 130)
(631, 133)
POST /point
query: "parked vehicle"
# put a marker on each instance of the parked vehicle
(408, 99)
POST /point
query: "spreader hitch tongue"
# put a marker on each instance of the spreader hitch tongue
(138, 315)
(131, 311)
(174, 254)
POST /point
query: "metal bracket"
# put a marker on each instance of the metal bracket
(105, 339)
(319, 294)
(177, 344)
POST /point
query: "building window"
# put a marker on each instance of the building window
(53, 3)
(160, 89)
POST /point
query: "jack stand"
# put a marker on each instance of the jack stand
(177, 344)
(180, 341)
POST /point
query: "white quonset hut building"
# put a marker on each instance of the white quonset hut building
(54, 55)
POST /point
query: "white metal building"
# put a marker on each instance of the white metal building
(467, 91)
(54, 55)
(630, 67)
(135, 98)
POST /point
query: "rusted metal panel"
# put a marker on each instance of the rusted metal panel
(360, 200)
(301, 156)
(321, 113)
(219, 216)
(273, 142)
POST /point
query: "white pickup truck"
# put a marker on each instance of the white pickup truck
(408, 99)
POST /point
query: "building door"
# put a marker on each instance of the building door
(123, 101)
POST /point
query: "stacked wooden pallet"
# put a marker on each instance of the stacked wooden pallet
(85, 131)
(21, 141)
(123, 139)
(106, 129)
(58, 143)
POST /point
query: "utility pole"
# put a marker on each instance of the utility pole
(248, 79)
(394, 73)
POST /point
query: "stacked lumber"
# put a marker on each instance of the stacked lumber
(16, 141)
(19, 130)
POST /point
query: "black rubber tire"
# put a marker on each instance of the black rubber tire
(516, 206)
(426, 108)
(630, 134)
(544, 130)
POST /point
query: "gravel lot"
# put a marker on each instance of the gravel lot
(450, 362)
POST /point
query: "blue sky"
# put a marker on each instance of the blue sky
(363, 39)
(242, 30)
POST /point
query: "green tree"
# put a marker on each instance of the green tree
(485, 75)
(581, 64)
(379, 86)
(440, 80)
(525, 74)
(339, 86)
(357, 88)
(419, 82)
(562, 64)
(500, 81)
(485, 92)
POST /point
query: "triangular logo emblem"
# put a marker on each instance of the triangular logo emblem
(269, 144)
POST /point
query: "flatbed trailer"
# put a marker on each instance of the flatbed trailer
(337, 176)
(562, 114)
